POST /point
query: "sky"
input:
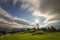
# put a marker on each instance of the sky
(27, 11)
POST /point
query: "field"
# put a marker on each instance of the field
(29, 36)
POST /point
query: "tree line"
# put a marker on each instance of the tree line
(48, 29)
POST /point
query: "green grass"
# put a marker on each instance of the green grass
(28, 36)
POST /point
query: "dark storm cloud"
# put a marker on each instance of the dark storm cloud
(54, 5)
(47, 5)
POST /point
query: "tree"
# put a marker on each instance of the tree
(52, 29)
(58, 30)
(14, 31)
(44, 29)
(37, 26)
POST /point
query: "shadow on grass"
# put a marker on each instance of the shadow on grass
(38, 33)
(33, 32)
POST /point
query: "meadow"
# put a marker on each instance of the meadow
(30, 36)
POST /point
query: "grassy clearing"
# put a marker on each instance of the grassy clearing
(29, 36)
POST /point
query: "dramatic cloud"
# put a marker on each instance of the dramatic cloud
(21, 21)
(3, 12)
(50, 9)
(25, 4)
(30, 5)
(6, 18)
(54, 6)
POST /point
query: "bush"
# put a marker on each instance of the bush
(44, 29)
(58, 30)
(39, 33)
(52, 29)
(13, 31)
